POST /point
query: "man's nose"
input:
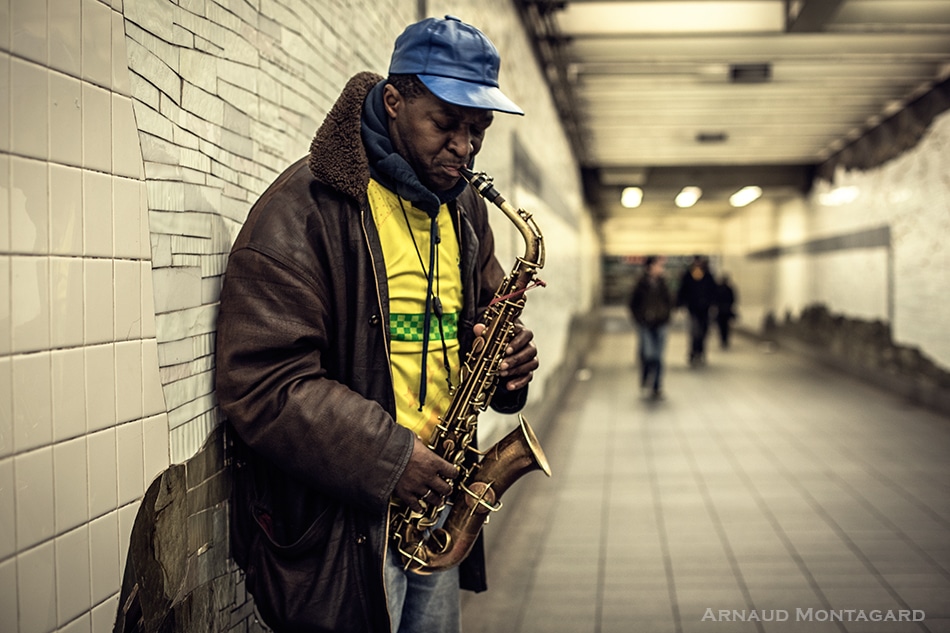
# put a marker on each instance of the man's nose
(461, 142)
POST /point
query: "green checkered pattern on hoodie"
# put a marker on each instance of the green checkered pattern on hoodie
(409, 327)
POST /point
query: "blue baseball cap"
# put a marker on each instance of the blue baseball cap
(455, 61)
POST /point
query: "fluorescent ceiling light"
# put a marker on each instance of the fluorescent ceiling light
(839, 196)
(631, 197)
(659, 17)
(688, 197)
(745, 195)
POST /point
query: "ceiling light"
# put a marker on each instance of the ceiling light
(839, 196)
(745, 195)
(688, 197)
(663, 17)
(631, 197)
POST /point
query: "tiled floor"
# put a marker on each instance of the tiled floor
(762, 488)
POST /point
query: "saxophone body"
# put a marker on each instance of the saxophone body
(429, 541)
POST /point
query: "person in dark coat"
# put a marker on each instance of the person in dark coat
(697, 293)
(651, 305)
(351, 262)
(725, 309)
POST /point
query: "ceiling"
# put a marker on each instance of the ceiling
(718, 94)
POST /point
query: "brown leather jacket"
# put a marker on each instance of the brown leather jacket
(303, 378)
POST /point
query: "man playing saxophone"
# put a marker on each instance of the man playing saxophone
(352, 294)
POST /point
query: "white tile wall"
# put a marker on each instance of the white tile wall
(71, 483)
(8, 597)
(96, 127)
(103, 469)
(65, 202)
(97, 44)
(128, 366)
(126, 521)
(103, 615)
(69, 394)
(127, 201)
(5, 18)
(65, 36)
(99, 310)
(82, 624)
(36, 589)
(905, 286)
(156, 438)
(5, 109)
(66, 301)
(6, 329)
(28, 29)
(128, 300)
(104, 553)
(29, 97)
(65, 119)
(131, 469)
(100, 387)
(77, 325)
(135, 135)
(35, 512)
(30, 313)
(5, 239)
(6, 406)
(97, 214)
(126, 153)
(73, 575)
(29, 211)
(7, 512)
(32, 404)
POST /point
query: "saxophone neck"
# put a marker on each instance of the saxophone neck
(523, 221)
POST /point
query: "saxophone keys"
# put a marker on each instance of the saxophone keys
(482, 498)
(440, 541)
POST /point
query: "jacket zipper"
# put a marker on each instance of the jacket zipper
(383, 325)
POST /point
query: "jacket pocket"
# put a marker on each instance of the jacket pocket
(298, 551)
(310, 584)
(310, 539)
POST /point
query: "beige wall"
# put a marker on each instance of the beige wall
(903, 283)
(82, 415)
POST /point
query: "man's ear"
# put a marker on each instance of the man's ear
(392, 100)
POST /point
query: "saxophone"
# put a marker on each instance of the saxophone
(423, 544)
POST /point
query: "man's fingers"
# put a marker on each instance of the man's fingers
(442, 488)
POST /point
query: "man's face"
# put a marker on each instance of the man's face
(436, 138)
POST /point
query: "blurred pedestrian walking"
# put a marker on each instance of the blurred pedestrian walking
(697, 293)
(725, 309)
(651, 305)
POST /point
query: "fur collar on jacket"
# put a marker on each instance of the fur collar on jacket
(337, 157)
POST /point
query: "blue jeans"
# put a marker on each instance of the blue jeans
(422, 604)
(652, 344)
(698, 329)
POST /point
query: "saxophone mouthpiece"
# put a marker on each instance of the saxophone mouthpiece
(483, 183)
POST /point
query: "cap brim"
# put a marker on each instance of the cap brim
(469, 95)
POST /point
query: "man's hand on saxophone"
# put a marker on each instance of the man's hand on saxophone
(427, 478)
(521, 358)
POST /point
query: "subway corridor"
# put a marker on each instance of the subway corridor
(765, 493)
